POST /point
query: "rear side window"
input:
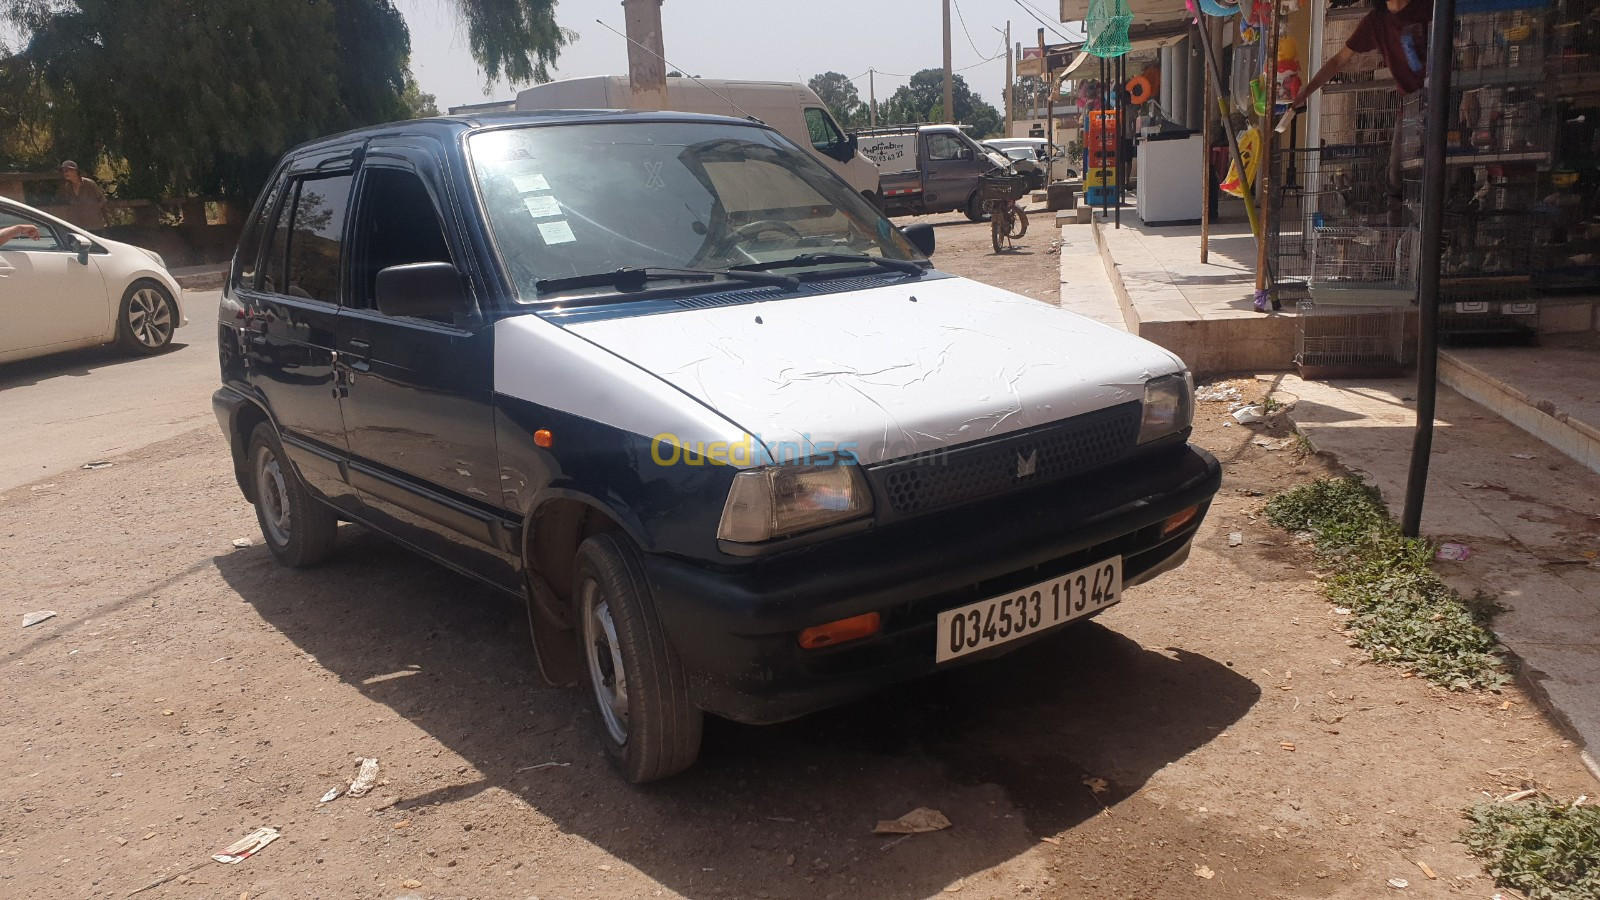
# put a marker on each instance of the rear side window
(317, 236)
(250, 245)
(272, 264)
(398, 225)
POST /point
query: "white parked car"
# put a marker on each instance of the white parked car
(67, 289)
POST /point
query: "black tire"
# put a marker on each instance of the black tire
(298, 529)
(974, 209)
(146, 318)
(656, 733)
(997, 233)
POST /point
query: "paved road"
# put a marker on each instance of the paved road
(65, 410)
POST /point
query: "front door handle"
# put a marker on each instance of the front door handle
(358, 347)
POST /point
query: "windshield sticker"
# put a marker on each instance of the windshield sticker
(542, 206)
(557, 232)
(652, 181)
(527, 184)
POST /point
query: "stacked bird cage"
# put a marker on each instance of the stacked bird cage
(1364, 265)
(1349, 341)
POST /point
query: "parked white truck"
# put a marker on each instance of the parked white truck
(790, 107)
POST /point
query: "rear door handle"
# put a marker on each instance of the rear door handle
(359, 348)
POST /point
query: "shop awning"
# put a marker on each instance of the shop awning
(1144, 11)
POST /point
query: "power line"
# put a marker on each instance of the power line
(1030, 11)
(974, 44)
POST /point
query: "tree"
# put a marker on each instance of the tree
(418, 105)
(840, 96)
(518, 39)
(922, 100)
(203, 96)
(1029, 93)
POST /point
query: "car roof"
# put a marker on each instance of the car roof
(447, 128)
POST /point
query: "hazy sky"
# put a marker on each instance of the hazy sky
(780, 41)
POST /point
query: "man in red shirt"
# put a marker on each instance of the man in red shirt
(1398, 30)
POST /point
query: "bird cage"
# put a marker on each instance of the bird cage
(1349, 341)
(1363, 265)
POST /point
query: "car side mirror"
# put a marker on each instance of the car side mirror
(921, 237)
(964, 153)
(429, 289)
(79, 245)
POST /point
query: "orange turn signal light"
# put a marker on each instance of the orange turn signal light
(1178, 520)
(851, 629)
(543, 437)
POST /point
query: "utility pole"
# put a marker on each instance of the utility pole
(872, 97)
(1010, 79)
(647, 66)
(949, 73)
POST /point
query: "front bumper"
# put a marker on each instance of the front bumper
(736, 628)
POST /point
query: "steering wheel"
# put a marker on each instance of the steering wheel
(751, 229)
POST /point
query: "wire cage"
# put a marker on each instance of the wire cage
(1333, 186)
(1363, 265)
(1349, 341)
(1488, 312)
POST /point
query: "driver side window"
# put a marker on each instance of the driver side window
(943, 146)
(47, 239)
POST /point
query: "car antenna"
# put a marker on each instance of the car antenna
(669, 62)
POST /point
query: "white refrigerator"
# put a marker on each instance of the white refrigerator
(1170, 187)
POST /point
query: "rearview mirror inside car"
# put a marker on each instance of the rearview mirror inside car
(425, 290)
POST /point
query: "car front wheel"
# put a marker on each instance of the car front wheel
(650, 727)
(147, 318)
(299, 530)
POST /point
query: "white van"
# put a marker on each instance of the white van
(790, 107)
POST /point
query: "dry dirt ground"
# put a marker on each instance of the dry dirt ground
(1211, 737)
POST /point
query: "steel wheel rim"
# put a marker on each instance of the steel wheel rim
(607, 675)
(150, 317)
(273, 495)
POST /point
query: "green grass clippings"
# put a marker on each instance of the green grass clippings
(1547, 851)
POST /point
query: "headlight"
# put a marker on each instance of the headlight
(781, 500)
(1168, 406)
(154, 257)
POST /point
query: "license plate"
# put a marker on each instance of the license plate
(984, 624)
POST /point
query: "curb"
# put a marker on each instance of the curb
(202, 281)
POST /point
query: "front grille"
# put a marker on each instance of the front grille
(979, 471)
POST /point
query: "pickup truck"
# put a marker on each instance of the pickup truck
(929, 169)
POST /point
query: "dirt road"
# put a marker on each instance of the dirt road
(1211, 737)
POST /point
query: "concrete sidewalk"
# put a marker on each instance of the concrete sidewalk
(1530, 514)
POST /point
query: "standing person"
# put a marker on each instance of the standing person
(86, 203)
(1398, 30)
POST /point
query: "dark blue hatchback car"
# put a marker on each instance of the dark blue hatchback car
(739, 446)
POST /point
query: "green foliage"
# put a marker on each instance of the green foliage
(922, 100)
(518, 39)
(840, 96)
(203, 96)
(1547, 851)
(417, 104)
(1401, 611)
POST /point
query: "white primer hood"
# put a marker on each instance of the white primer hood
(882, 376)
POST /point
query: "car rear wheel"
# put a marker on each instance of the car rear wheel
(974, 209)
(650, 727)
(299, 530)
(147, 318)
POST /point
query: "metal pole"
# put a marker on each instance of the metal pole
(1214, 72)
(1207, 123)
(872, 97)
(1437, 121)
(1269, 143)
(949, 73)
(1009, 79)
(1122, 105)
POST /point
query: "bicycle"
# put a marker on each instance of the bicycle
(1000, 191)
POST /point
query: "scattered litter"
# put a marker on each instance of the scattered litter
(919, 820)
(1217, 392)
(1282, 444)
(1519, 795)
(332, 794)
(543, 765)
(1342, 610)
(98, 464)
(242, 543)
(1505, 704)
(402, 825)
(1524, 456)
(1287, 745)
(1248, 415)
(247, 846)
(1205, 872)
(1399, 884)
(411, 883)
(1452, 552)
(1250, 492)
(1096, 785)
(1051, 840)
(34, 618)
(953, 888)
(365, 778)
(1427, 870)
(1235, 538)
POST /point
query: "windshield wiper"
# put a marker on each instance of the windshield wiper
(634, 279)
(910, 267)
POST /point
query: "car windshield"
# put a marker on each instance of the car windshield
(576, 200)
